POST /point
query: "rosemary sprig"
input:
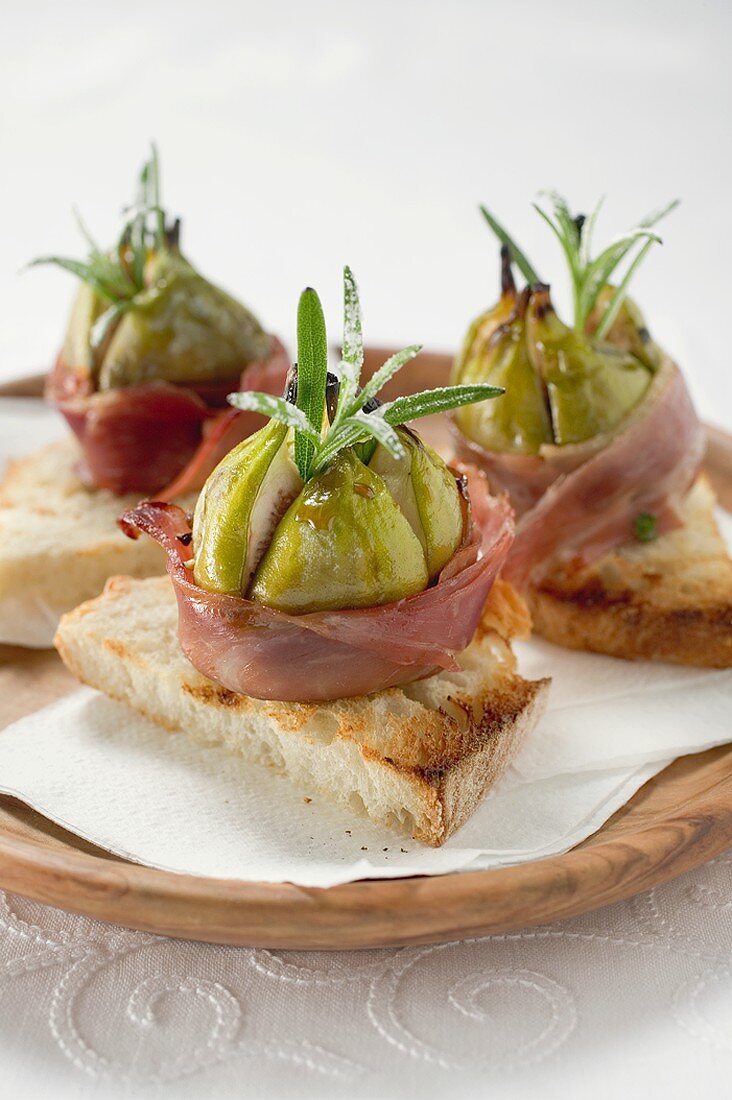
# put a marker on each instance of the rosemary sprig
(588, 276)
(312, 374)
(118, 276)
(519, 257)
(351, 424)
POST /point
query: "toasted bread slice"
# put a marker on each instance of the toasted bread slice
(418, 758)
(59, 542)
(666, 600)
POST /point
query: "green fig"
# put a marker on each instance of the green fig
(466, 366)
(428, 495)
(343, 543)
(590, 387)
(519, 420)
(143, 313)
(181, 328)
(628, 331)
(78, 350)
(239, 508)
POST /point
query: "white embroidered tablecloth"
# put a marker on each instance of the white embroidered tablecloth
(632, 1000)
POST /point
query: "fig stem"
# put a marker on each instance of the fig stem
(508, 285)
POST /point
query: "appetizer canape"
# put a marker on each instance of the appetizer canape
(599, 448)
(151, 350)
(338, 614)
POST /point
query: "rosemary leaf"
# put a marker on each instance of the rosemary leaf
(380, 377)
(381, 430)
(84, 271)
(352, 350)
(588, 232)
(312, 373)
(517, 255)
(277, 408)
(565, 221)
(655, 216)
(416, 405)
(621, 290)
(599, 272)
(569, 242)
(346, 435)
(352, 330)
(94, 248)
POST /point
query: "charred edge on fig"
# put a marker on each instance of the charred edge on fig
(508, 286)
(579, 222)
(544, 303)
(516, 314)
(290, 391)
(172, 234)
(461, 482)
(332, 389)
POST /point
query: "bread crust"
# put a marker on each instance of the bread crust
(666, 600)
(419, 758)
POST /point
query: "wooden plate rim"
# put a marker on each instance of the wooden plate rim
(384, 912)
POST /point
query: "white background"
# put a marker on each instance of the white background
(296, 137)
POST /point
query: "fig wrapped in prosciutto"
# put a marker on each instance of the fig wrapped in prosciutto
(151, 351)
(332, 553)
(596, 440)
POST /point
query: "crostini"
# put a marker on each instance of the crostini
(151, 350)
(599, 448)
(332, 607)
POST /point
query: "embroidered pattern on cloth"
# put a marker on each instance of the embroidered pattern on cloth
(131, 1007)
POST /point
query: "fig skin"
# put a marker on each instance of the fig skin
(428, 495)
(181, 329)
(590, 387)
(239, 508)
(519, 420)
(561, 386)
(344, 542)
(359, 534)
(628, 332)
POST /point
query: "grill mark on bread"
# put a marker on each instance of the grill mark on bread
(215, 694)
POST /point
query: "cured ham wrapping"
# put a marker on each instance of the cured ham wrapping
(577, 502)
(258, 651)
(159, 436)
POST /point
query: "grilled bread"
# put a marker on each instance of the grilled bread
(666, 600)
(417, 758)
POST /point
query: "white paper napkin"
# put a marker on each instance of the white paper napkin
(110, 776)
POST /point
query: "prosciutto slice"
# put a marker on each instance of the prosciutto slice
(142, 438)
(258, 651)
(580, 501)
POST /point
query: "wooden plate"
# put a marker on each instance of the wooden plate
(681, 818)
